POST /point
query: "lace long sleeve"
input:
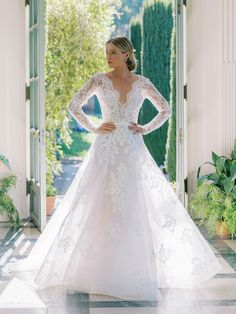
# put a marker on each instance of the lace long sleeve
(80, 98)
(151, 93)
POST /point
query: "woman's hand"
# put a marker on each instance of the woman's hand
(136, 128)
(106, 127)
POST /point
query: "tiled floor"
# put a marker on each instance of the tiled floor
(216, 296)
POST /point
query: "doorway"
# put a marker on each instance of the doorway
(36, 91)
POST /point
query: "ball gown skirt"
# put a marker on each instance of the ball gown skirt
(121, 229)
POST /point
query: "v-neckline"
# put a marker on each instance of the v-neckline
(116, 91)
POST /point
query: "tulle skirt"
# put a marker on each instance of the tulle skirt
(120, 229)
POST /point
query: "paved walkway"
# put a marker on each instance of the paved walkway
(63, 181)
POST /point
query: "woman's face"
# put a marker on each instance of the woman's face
(115, 58)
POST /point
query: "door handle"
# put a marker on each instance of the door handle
(35, 133)
(181, 135)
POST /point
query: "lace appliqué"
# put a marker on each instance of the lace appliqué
(200, 267)
(118, 188)
(80, 98)
(65, 243)
(169, 222)
(163, 253)
(161, 104)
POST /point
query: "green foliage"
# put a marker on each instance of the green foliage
(136, 39)
(213, 203)
(81, 141)
(230, 213)
(209, 201)
(80, 145)
(51, 190)
(76, 32)
(224, 175)
(6, 204)
(170, 158)
(215, 196)
(157, 24)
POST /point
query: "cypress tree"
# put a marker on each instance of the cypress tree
(136, 39)
(170, 163)
(157, 24)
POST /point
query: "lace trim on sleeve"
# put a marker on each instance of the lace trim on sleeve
(80, 98)
(151, 93)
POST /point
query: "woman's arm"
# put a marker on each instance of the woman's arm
(151, 93)
(80, 98)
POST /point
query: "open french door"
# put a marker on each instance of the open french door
(181, 97)
(37, 184)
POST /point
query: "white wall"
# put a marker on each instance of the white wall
(211, 73)
(12, 95)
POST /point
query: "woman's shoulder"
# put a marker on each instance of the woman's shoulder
(147, 82)
(97, 74)
(97, 78)
(144, 78)
(144, 81)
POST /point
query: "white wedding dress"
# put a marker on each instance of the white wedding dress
(120, 229)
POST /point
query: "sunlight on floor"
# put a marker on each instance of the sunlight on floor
(215, 296)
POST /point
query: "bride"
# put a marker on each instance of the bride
(120, 229)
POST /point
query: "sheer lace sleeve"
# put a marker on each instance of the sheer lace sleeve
(80, 98)
(150, 92)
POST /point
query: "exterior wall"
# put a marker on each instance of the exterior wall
(13, 118)
(211, 79)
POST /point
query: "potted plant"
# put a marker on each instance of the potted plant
(215, 196)
(51, 198)
(7, 181)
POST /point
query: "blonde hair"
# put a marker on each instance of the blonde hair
(124, 44)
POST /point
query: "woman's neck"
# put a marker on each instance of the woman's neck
(121, 73)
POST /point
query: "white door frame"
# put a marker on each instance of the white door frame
(181, 140)
(36, 186)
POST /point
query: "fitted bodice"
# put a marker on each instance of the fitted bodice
(112, 109)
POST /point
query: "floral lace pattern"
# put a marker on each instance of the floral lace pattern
(169, 222)
(75, 106)
(112, 109)
(152, 93)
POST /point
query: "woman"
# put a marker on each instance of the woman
(121, 229)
